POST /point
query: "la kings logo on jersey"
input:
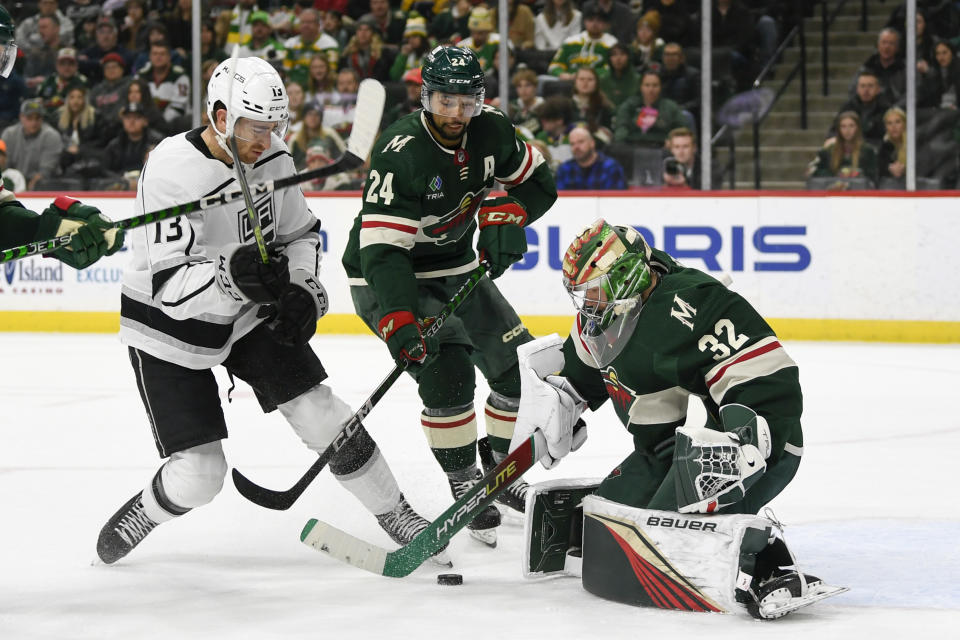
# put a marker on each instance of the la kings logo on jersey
(621, 395)
(264, 209)
(451, 226)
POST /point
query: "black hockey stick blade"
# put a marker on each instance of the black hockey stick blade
(370, 101)
(282, 500)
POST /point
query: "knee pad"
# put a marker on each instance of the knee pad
(507, 384)
(316, 416)
(190, 478)
(352, 456)
(448, 381)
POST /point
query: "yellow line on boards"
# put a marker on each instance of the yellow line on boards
(343, 323)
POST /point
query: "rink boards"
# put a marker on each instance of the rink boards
(845, 267)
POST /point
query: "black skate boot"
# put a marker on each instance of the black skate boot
(515, 496)
(403, 524)
(124, 531)
(484, 526)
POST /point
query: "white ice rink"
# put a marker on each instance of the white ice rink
(874, 507)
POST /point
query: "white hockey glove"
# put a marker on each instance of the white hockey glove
(548, 402)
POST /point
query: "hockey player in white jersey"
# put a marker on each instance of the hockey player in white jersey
(198, 294)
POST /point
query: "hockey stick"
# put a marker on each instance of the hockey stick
(370, 100)
(282, 500)
(403, 561)
(231, 135)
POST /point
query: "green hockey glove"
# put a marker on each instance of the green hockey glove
(93, 234)
(405, 339)
(502, 239)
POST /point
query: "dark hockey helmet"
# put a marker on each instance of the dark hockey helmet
(449, 73)
(605, 270)
(8, 49)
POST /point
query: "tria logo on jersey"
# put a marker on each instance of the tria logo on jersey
(622, 395)
(451, 226)
(264, 209)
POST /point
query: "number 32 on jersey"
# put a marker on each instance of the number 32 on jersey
(723, 335)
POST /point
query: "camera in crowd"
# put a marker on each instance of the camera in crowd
(674, 168)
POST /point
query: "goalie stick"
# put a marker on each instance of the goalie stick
(369, 111)
(282, 500)
(403, 561)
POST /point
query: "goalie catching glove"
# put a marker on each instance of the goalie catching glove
(92, 234)
(292, 321)
(502, 240)
(548, 402)
(716, 468)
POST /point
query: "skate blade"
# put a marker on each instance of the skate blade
(486, 536)
(442, 559)
(814, 594)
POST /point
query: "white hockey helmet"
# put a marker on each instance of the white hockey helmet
(254, 91)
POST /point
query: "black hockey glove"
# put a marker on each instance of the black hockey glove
(405, 339)
(293, 320)
(242, 274)
(502, 240)
(93, 236)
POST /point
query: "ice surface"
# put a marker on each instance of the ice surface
(874, 507)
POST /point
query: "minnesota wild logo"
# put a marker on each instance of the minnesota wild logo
(622, 395)
(451, 226)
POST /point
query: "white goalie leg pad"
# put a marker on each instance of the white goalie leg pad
(553, 527)
(190, 478)
(690, 562)
(316, 416)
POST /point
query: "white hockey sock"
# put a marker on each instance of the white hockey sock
(373, 485)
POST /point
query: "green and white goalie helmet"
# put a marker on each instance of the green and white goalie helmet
(254, 97)
(453, 82)
(605, 271)
(8, 48)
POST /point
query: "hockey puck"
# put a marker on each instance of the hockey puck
(450, 578)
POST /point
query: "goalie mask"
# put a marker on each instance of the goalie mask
(453, 82)
(254, 97)
(8, 49)
(605, 271)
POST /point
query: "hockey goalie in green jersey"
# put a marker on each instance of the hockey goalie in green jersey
(412, 246)
(673, 525)
(650, 333)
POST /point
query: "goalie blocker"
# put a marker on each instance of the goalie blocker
(663, 559)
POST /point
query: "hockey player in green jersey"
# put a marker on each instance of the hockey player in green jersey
(673, 526)
(649, 334)
(91, 235)
(411, 247)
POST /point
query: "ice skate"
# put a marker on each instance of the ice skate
(515, 496)
(785, 593)
(403, 524)
(124, 531)
(484, 526)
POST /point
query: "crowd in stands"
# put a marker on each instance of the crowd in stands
(609, 90)
(867, 145)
